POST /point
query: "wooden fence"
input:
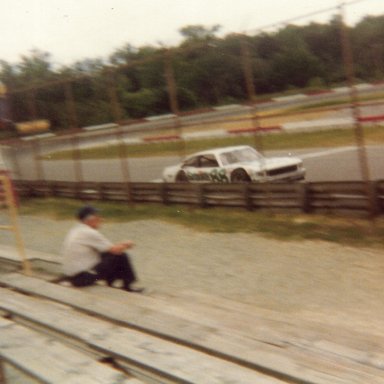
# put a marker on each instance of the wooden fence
(320, 197)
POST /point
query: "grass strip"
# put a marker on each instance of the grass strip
(354, 232)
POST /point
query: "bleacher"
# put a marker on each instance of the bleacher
(55, 333)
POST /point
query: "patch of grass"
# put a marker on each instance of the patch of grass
(276, 141)
(345, 101)
(347, 231)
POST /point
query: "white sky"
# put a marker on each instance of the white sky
(72, 30)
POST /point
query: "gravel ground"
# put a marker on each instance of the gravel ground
(310, 279)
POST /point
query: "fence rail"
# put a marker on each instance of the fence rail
(319, 197)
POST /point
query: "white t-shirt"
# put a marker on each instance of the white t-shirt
(81, 249)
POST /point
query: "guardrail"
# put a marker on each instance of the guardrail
(317, 197)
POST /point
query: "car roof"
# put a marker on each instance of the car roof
(218, 151)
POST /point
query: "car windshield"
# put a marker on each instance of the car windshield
(243, 155)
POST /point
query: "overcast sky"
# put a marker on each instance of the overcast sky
(72, 30)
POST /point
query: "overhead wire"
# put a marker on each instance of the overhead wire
(158, 55)
(300, 17)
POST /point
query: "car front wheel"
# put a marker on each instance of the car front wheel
(181, 177)
(240, 176)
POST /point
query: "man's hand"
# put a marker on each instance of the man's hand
(128, 244)
(121, 247)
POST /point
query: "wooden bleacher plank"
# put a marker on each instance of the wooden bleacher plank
(262, 325)
(39, 260)
(281, 328)
(186, 307)
(283, 361)
(141, 351)
(50, 361)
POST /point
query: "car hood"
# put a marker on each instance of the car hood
(282, 161)
(172, 168)
(272, 163)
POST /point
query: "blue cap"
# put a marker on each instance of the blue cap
(86, 211)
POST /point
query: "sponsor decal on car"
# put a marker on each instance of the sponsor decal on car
(215, 175)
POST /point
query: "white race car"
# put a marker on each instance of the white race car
(238, 164)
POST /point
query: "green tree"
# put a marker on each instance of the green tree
(198, 33)
(368, 43)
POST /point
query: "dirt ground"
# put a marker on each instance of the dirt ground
(307, 279)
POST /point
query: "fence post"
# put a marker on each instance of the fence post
(247, 197)
(305, 201)
(201, 196)
(164, 193)
(374, 205)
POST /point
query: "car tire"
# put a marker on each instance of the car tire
(181, 177)
(240, 176)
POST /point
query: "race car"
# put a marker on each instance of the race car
(237, 164)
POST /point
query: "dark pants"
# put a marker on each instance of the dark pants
(112, 267)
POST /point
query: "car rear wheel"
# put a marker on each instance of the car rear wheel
(240, 176)
(181, 177)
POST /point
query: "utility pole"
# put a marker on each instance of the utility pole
(73, 122)
(251, 91)
(354, 97)
(172, 93)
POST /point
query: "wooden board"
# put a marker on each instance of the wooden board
(50, 361)
(141, 351)
(289, 333)
(279, 360)
(281, 328)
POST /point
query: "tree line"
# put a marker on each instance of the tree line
(207, 70)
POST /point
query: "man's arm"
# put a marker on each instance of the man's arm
(121, 247)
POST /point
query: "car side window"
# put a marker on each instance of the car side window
(228, 158)
(192, 162)
(208, 161)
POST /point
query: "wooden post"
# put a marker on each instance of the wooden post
(70, 106)
(12, 211)
(15, 160)
(305, 201)
(247, 197)
(3, 379)
(31, 99)
(173, 102)
(113, 98)
(36, 156)
(77, 159)
(354, 101)
(35, 143)
(251, 91)
(374, 204)
(164, 193)
(118, 117)
(201, 195)
(73, 124)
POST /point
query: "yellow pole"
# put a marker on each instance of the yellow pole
(12, 211)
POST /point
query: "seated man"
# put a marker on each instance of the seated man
(89, 256)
